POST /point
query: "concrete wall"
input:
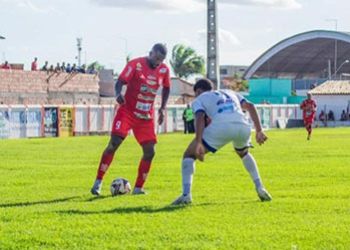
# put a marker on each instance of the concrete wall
(270, 87)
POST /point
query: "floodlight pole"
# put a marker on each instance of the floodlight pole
(335, 43)
(79, 41)
(212, 44)
(341, 65)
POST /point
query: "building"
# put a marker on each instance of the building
(307, 60)
(232, 70)
(333, 95)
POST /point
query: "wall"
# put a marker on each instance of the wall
(21, 121)
(38, 87)
(270, 87)
(336, 103)
(274, 91)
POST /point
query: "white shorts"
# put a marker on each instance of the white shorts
(217, 135)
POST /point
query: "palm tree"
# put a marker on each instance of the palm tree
(185, 61)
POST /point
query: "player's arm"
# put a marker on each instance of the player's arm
(165, 97)
(118, 91)
(123, 79)
(250, 107)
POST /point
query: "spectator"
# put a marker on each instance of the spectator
(74, 68)
(82, 69)
(322, 117)
(63, 67)
(45, 67)
(35, 64)
(51, 69)
(58, 68)
(343, 116)
(188, 118)
(330, 116)
(68, 68)
(92, 70)
(6, 65)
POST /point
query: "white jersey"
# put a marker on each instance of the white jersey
(221, 106)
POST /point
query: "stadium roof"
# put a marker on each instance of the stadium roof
(332, 88)
(305, 55)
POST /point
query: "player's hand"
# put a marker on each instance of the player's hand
(160, 116)
(200, 151)
(120, 99)
(260, 137)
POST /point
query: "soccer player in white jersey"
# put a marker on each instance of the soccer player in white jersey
(228, 124)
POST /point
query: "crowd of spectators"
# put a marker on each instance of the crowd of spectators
(56, 69)
(324, 117)
(64, 68)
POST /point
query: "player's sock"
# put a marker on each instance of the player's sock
(144, 167)
(106, 160)
(251, 166)
(188, 167)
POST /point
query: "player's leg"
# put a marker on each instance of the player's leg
(308, 126)
(241, 145)
(188, 162)
(252, 168)
(187, 171)
(120, 128)
(146, 137)
(106, 160)
(144, 167)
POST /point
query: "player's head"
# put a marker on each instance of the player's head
(202, 85)
(309, 96)
(157, 55)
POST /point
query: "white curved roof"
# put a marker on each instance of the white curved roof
(304, 53)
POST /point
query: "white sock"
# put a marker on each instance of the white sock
(250, 165)
(188, 166)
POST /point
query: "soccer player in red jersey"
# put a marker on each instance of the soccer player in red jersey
(142, 77)
(309, 110)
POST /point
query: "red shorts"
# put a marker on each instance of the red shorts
(143, 130)
(309, 120)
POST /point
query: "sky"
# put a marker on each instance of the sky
(112, 29)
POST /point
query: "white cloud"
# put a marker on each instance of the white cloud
(155, 5)
(281, 4)
(225, 37)
(192, 5)
(28, 4)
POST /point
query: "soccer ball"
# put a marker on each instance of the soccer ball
(120, 186)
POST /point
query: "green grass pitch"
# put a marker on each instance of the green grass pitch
(45, 201)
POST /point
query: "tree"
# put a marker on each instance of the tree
(236, 83)
(185, 61)
(96, 66)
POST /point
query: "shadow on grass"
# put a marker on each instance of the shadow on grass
(126, 210)
(100, 197)
(32, 203)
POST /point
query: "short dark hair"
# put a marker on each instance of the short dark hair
(204, 84)
(161, 48)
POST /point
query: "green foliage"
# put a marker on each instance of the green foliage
(96, 65)
(45, 201)
(185, 61)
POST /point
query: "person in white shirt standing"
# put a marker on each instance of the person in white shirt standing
(227, 124)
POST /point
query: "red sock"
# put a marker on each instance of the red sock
(143, 172)
(106, 160)
(309, 129)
